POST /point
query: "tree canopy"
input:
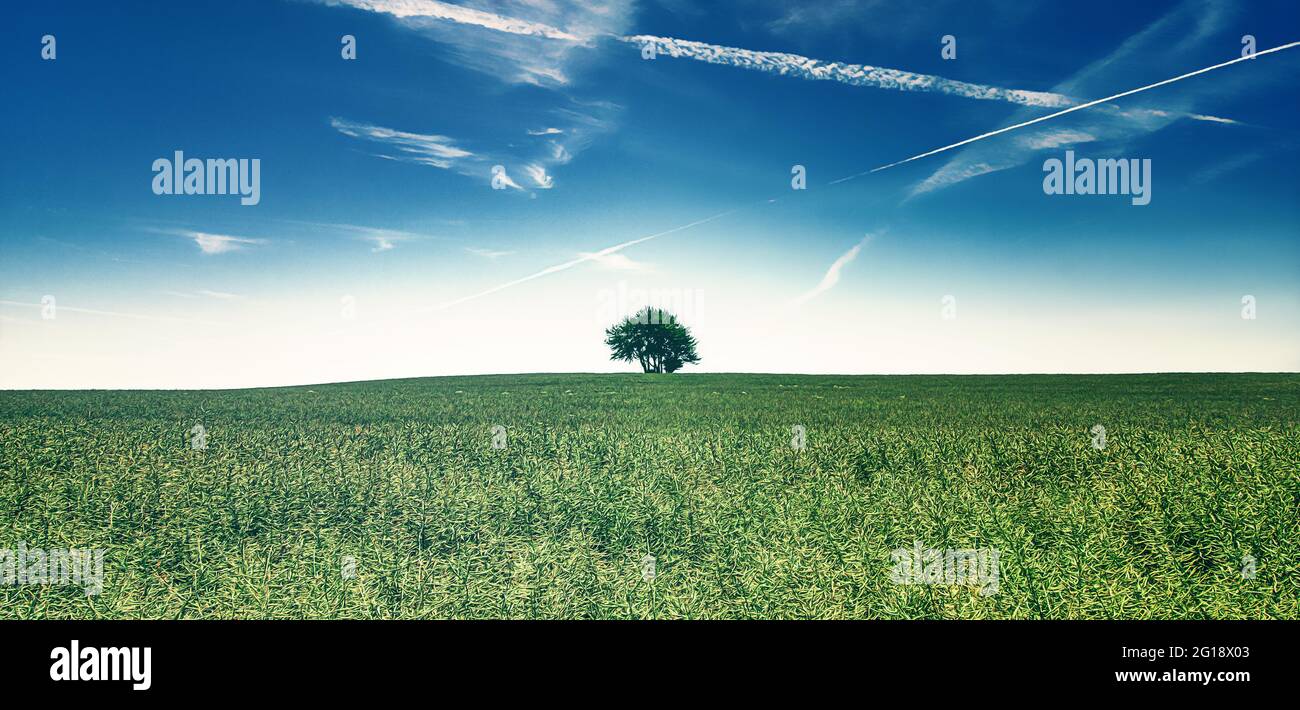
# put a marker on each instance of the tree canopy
(654, 338)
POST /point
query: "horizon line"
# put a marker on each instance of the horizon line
(661, 374)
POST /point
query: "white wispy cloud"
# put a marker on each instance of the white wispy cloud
(220, 295)
(204, 293)
(385, 239)
(380, 238)
(614, 261)
(967, 169)
(957, 173)
(488, 253)
(1215, 119)
(219, 243)
(891, 22)
(516, 41)
(530, 162)
(537, 174)
(461, 14)
(435, 151)
(1223, 167)
(832, 276)
(428, 149)
(544, 132)
(1055, 139)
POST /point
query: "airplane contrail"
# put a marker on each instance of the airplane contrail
(570, 264)
(794, 65)
(113, 314)
(1071, 109)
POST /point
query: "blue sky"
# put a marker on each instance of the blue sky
(380, 249)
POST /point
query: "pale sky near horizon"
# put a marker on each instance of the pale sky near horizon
(379, 248)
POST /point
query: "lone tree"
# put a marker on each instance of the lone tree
(654, 338)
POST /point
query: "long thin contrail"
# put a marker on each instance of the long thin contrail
(1062, 112)
(795, 65)
(798, 66)
(570, 264)
(113, 314)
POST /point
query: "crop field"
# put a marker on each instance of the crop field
(758, 496)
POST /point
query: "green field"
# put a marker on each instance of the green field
(699, 471)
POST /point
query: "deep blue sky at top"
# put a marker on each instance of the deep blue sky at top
(681, 140)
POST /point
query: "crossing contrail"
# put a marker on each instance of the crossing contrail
(1071, 109)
